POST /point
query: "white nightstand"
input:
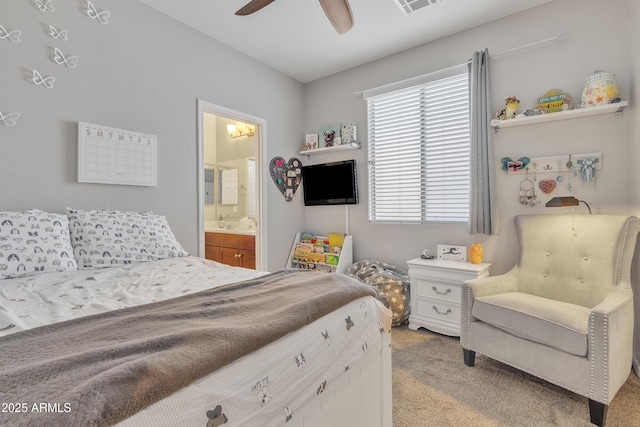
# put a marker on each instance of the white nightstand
(436, 292)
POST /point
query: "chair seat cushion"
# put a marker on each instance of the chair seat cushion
(554, 323)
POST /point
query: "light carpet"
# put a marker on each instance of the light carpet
(433, 387)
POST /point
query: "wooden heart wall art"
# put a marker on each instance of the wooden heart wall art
(286, 175)
(547, 185)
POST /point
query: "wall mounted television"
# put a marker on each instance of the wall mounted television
(333, 183)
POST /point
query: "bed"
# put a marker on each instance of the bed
(105, 319)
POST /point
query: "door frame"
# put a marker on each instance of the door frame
(261, 142)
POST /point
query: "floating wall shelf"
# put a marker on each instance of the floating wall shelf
(351, 146)
(561, 115)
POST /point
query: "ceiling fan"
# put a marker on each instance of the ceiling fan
(338, 12)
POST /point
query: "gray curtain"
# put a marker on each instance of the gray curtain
(482, 201)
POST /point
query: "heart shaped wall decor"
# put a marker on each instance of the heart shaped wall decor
(547, 185)
(286, 175)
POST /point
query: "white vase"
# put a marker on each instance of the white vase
(600, 88)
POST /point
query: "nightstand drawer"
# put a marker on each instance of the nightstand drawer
(440, 310)
(440, 291)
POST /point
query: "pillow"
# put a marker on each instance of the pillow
(33, 242)
(103, 238)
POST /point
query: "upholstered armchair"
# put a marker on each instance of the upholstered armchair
(565, 312)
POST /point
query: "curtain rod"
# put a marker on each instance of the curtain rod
(560, 36)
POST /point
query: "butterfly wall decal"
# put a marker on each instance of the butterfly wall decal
(45, 5)
(9, 119)
(102, 16)
(13, 36)
(43, 81)
(58, 34)
(60, 59)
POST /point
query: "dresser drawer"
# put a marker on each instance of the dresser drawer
(437, 290)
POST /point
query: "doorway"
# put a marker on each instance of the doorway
(230, 187)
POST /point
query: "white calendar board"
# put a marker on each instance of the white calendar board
(108, 155)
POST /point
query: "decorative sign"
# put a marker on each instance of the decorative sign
(453, 253)
(555, 100)
(114, 156)
(286, 175)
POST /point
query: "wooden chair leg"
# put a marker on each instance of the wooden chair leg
(469, 357)
(598, 412)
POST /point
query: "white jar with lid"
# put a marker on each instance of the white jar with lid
(600, 88)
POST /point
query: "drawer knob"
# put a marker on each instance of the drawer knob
(441, 293)
(440, 312)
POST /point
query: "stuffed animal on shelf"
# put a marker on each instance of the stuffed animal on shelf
(509, 111)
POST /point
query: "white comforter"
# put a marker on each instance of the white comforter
(32, 301)
(265, 388)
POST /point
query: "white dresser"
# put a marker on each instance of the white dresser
(436, 292)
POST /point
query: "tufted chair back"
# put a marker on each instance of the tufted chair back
(579, 259)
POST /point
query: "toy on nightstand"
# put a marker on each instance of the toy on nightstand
(509, 111)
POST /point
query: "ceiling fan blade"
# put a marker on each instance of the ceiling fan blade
(339, 14)
(253, 6)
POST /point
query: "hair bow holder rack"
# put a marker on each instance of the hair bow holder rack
(563, 168)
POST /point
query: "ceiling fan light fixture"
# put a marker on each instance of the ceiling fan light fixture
(410, 6)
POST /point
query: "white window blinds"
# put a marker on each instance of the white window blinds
(419, 147)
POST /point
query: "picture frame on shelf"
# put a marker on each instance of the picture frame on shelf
(349, 133)
(328, 134)
(311, 142)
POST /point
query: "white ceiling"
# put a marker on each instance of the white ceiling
(294, 36)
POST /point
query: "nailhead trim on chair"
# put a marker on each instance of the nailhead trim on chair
(467, 313)
(624, 244)
(591, 357)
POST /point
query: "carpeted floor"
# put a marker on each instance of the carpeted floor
(433, 387)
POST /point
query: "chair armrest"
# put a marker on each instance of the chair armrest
(492, 285)
(472, 289)
(610, 335)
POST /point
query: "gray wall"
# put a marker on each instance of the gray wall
(142, 72)
(597, 34)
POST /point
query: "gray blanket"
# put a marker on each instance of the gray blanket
(100, 369)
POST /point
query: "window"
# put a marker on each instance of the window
(419, 148)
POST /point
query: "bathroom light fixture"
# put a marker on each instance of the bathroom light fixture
(561, 202)
(243, 129)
